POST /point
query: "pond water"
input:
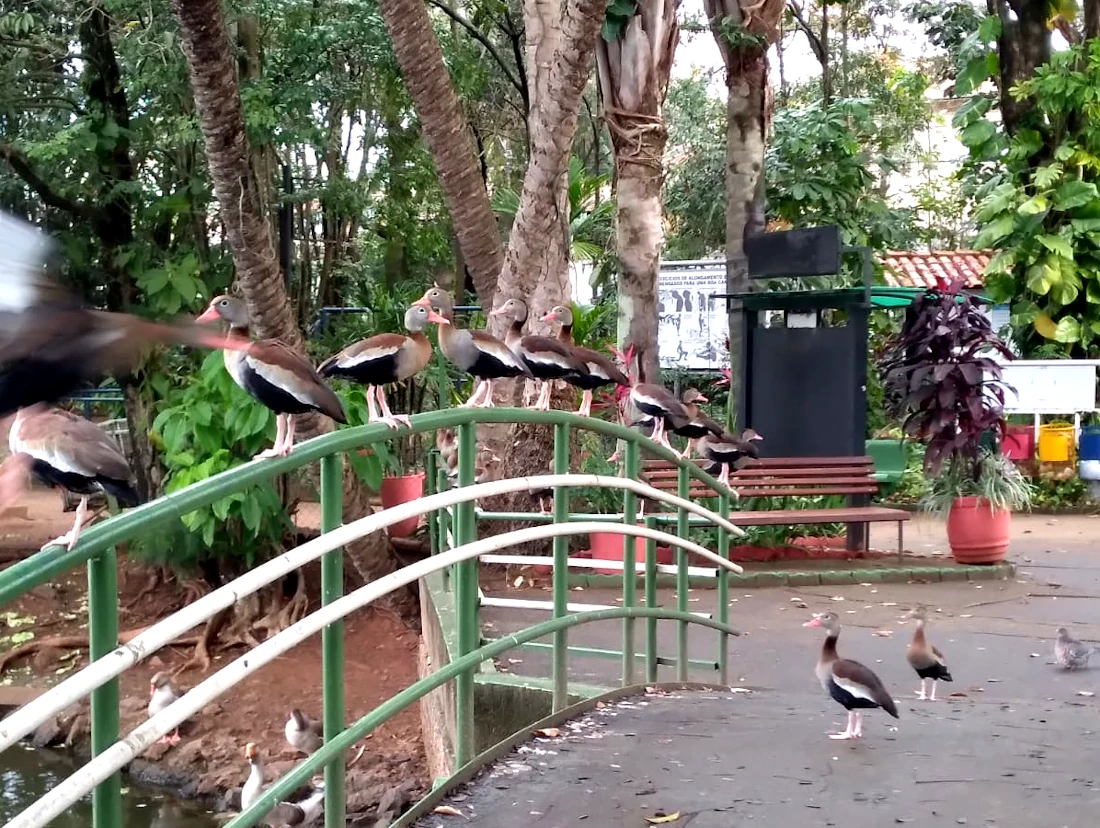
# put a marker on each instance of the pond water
(26, 774)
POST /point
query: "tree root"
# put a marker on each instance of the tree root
(71, 642)
(203, 644)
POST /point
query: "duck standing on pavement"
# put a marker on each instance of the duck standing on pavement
(924, 658)
(850, 684)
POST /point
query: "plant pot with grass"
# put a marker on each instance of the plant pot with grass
(978, 504)
(943, 381)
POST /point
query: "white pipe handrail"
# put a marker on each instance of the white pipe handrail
(547, 606)
(80, 684)
(39, 813)
(595, 563)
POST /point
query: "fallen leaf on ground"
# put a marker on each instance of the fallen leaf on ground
(548, 732)
(661, 819)
(1035, 655)
(883, 633)
(959, 695)
(447, 810)
(1088, 694)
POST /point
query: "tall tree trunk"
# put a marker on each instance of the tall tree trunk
(1023, 46)
(449, 141)
(248, 235)
(634, 72)
(559, 52)
(746, 61)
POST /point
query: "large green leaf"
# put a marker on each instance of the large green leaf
(1068, 329)
(1057, 245)
(973, 75)
(1033, 206)
(977, 133)
(998, 229)
(1073, 194)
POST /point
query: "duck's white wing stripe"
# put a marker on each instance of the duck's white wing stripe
(855, 688)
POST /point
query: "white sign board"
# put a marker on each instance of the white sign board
(692, 323)
(1049, 386)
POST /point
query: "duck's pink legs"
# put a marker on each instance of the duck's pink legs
(68, 540)
(388, 417)
(475, 397)
(170, 739)
(543, 402)
(854, 729)
(280, 435)
(487, 401)
(586, 404)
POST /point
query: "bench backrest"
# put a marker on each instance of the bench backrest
(780, 477)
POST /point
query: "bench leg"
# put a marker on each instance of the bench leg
(901, 540)
(857, 536)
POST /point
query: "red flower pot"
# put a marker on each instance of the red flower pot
(978, 533)
(607, 546)
(398, 490)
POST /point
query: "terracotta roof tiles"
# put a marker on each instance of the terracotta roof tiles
(906, 268)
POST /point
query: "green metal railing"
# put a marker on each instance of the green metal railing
(97, 546)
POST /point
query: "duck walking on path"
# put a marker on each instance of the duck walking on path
(850, 684)
(1071, 654)
(275, 374)
(299, 808)
(924, 658)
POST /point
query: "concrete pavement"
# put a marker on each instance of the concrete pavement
(1013, 744)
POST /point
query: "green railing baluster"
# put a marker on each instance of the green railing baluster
(723, 591)
(630, 575)
(332, 639)
(683, 483)
(560, 668)
(430, 475)
(651, 602)
(102, 639)
(465, 575)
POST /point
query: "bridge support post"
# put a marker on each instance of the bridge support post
(102, 640)
(683, 483)
(466, 602)
(651, 603)
(723, 592)
(332, 640)
(630, 570)
(560, 668)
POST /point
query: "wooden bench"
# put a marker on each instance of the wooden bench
(781, 477)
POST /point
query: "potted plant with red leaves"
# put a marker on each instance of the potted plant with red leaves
(943, 380)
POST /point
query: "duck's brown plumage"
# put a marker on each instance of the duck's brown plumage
(925, 659)
(50, 345)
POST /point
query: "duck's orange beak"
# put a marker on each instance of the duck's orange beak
(816, 622)
(436, 318)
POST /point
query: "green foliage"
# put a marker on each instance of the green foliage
(591, 218)
(1070, 495)
(998, 481)
(695, 189)
(1043, 212)
(206, 425)
(618, 15)
(819, 168)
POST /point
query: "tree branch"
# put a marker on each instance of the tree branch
(22, 167)
(815, 41)
(476, 34)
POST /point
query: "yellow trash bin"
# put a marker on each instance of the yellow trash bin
(1056, 442)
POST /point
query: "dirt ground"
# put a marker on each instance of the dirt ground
(380, 656)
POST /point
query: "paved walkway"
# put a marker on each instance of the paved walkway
(720, 759)
(1014, 745)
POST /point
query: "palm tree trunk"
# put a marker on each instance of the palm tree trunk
(449, 141)
(248, 233)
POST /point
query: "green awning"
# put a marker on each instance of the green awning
(900, 297)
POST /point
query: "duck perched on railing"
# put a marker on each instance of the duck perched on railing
(547, 359)
(63, 450)
(476, 352)
(601, 370)
(725, 452)
(274, 374)
(386, 358)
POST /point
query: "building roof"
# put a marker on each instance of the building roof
(939, 268)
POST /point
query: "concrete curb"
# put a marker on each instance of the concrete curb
(826, 577)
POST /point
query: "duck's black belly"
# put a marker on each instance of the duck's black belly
(652, 409)
(272, 396)
(487, 366)
(847, 700)
(936, 671)
(55, 478)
